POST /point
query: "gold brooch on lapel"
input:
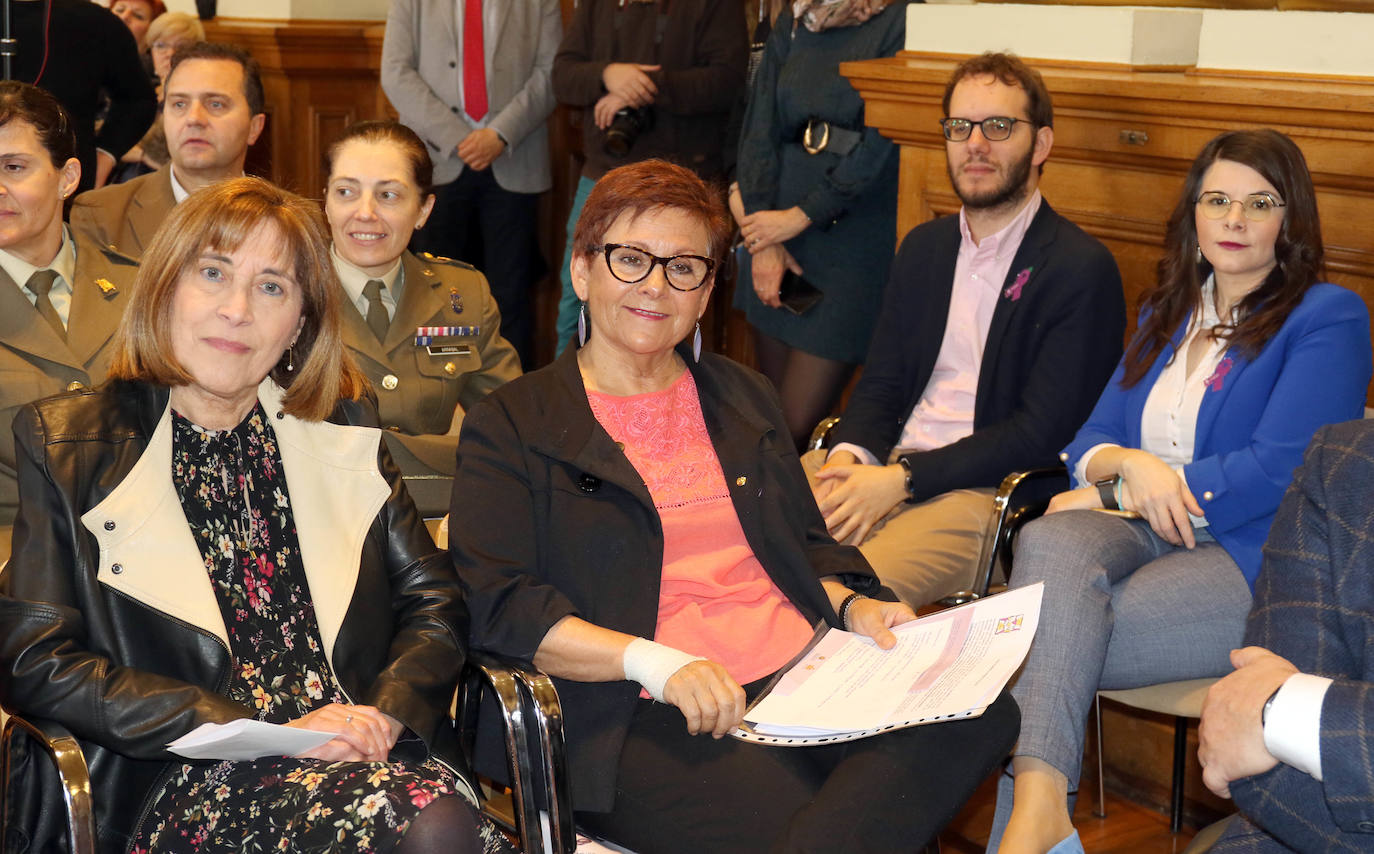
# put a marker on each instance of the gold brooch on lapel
(106, 287)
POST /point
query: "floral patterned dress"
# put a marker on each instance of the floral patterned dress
(233, 492)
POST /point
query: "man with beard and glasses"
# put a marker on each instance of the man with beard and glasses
(999, 328)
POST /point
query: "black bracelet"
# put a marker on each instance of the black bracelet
(843, 610)
(906, 470)
(1106, 490)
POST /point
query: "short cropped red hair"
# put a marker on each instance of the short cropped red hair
(651, 185)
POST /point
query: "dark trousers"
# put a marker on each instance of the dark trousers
(890, 793)
(476, 221)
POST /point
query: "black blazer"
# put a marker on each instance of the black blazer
(549, 518)
(1053, 343)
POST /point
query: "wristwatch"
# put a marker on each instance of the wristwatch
(1106, 489)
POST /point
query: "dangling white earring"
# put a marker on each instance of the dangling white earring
(291, 358)
(582, 325)
(1199, 255)
(696, 344)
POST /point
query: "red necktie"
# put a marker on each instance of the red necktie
(474, 61)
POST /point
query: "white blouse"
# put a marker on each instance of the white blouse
(1168, 424)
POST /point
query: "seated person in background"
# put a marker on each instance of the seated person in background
(999, 328)
(1292, 747)
(212, 111)
(634, 520)
(61, 295)
(169, 33)
(214, 535)
(378, 194)
(1241, 354)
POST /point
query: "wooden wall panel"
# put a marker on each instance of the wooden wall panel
(1124, 141)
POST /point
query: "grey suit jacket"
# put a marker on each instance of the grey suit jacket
(35, 362)
(123, 217)
(422, 77)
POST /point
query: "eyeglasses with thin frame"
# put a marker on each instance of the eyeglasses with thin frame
(994, 128)
(1257, 207)
(631, 265)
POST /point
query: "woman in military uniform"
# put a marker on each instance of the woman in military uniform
(424, 329)
(61, 295)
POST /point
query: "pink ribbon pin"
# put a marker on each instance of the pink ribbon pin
(1215, 381)
(1013, 293)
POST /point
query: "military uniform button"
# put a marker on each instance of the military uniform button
(390, 381)
(74, 386)
(450, 369)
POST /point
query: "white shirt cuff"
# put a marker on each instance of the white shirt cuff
(1080, 471)
(1293, 727)
(862, 453)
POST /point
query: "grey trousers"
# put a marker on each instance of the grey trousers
(1122, 608)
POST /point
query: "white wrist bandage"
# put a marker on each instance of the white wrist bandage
(651, 664)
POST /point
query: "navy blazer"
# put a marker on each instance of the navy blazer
(1050, 349)
(1314, 605)
(1257, 416)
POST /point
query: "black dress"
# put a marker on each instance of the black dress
(233, 492)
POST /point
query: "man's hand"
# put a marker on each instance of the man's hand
(1231, 736)
(479, 148)
(762, 229)
(708, 698)
(767, 269)
(861, 496)
(631, 82)
(606, 108)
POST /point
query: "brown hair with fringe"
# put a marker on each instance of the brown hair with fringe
(220, 218)
(1297, 250)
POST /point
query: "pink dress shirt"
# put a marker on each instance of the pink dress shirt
(944, 414)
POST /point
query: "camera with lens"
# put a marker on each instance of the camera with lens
(626, 126)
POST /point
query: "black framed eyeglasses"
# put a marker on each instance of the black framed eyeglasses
(632, 265)
(995, 128)
(1257, 207)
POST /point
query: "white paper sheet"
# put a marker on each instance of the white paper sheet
(246, 739)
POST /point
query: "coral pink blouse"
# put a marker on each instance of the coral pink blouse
(715, 600)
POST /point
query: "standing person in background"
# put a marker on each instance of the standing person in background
(138, 16)
(476, 88)
(75, 50)
(805, 157)
(651, 78)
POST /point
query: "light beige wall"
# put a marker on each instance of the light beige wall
(1228, 39)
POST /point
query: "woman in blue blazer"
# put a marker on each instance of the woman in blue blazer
(1240, 356)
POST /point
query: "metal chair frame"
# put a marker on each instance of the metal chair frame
(62, 748)
(532, 723)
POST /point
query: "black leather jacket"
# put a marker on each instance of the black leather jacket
(126, 678)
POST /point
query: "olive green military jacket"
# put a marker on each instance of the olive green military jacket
(421, 383)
